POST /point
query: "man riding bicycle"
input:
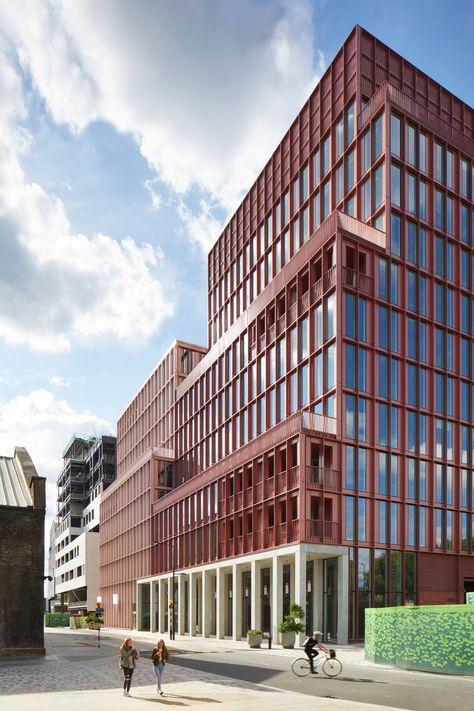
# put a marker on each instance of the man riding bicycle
(310, 648)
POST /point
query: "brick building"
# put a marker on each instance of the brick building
(22, 512)
(323, 445)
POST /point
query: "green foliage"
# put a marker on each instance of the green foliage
(56, 619)
(254, 632)
(93, 618)
(429, 638)
(292, 622)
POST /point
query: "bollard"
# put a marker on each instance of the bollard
(269, 641)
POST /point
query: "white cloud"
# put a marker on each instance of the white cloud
(60, 381)
(44, 425)
(156, 199)
(207, 88)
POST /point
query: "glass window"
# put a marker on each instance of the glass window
(464, 178)
(326, 206)
(394, 379)
(378, 130)
(439, 209)
(350, 321)
(383, 424)
(422, 247)
(362, 469)
(339, 137)
(350, 171)
(439, 150)
(362, 369)
(367, 206)
(367, 158)
(383, 376)
(382, 507)
(465, 223)
(326, 156)
(362, 419)
(422, 155)
(339, 182)
(350, 517)
(422, 200)
(394, 331)
(378, 186)
(412, 340)
(350, 366)
(394, 283)
(330, 353)
(349, 124)
(362, 321)
(330, 323)
(439, 256)
(412, 194)
(382, 484)
(395, 176)
(449, 168)
(350, 466)
(395, 234)
(383, 279)
(383, 327)
(395, 135)
(411, 145)
(350, 416)
(412, 255)
(449, 214)
(316, 167)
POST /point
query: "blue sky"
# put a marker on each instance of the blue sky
(128, 133)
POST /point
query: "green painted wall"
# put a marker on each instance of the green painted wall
(436, 638)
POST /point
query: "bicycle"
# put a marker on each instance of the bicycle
(329, 664)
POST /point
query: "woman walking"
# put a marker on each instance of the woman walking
(128, 657)
(159, 657)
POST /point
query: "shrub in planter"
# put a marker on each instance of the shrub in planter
(93, 621)
(292, 623)
(254, 638)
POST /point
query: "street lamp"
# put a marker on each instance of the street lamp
(173, 564)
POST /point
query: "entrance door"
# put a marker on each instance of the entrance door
(330, 599)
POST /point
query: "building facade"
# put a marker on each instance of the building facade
(22, 512)
(324, 443)
(145, 473)
(88, 469)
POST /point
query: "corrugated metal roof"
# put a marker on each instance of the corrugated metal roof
(13, 488)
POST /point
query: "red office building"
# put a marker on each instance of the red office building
(322, 447)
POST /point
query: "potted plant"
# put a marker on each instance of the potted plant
(291, 625)
(94, 621)
(254, 638)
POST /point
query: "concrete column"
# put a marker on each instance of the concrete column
(255, 618)
(206, 603)
(153, 601)
(163, 603)
(300, 584)
(343, 598)
(318, 594)
(277, 596)
(180, 616)
(192, 604)
(220, 603)
(236, 602)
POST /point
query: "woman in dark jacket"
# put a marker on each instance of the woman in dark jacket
(127, 663)
(159, 657)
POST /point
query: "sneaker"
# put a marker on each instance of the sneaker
(161, 693)
(313, 671)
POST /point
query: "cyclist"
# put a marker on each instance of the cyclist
(310, 648)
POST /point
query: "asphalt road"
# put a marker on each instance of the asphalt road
(416, 691)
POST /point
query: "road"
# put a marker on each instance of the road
(408, 690)
(416, 691)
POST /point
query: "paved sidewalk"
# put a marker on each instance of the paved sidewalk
(76, 681)
(228, 695)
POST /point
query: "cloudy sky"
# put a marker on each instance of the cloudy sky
(129, 130)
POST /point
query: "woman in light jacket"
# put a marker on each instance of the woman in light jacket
(159, 657)
(128, 662)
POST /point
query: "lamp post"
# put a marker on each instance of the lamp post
(171, 605)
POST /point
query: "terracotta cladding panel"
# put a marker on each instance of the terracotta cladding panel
(381, 56)
(305, 148)
(395, 70)
(366, 87)
(380, 76)
(421, 89)
(433, 97)
(367, 44)
(409, 79)
(437, 572)
(351, 86)
(366, 66)
(457, 111)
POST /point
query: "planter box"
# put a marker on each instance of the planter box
(254, 640)
(288, 639)
(95, 625)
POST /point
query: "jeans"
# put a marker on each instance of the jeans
(127, 682)
(311, 654)
(158, 671)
